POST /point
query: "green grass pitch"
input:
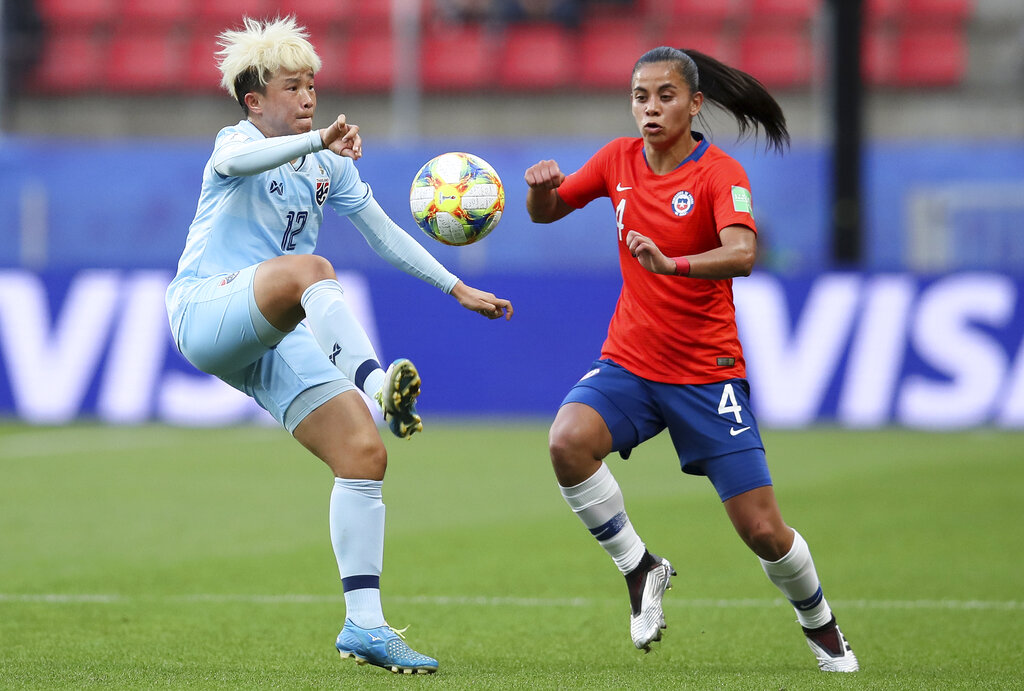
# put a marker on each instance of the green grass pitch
(155, 557)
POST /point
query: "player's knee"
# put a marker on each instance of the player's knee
(312, 268)
(763, 537)
(570, 451)
(364, 459)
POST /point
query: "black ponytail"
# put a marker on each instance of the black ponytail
(728, 88)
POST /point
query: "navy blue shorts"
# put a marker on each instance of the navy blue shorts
(712, 428)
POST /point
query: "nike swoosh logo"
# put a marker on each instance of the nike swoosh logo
(733, 431)
(620, 188)
(374, 638)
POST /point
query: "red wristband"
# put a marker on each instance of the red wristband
(682, 266)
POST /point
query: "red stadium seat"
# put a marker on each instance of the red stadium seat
(878, 58)
(783, 11)
(937, 11)
(369, 15)
(316, 14)
(147, 61)
(778, 59)
(608, 49)
(333, 66)
(229, 13)
(919, 11)
(536, 56)
(456, 59)
(78, 14)
(699, 11)
(201, 73)
(716, 41)
(931, 57)
(164, 12)
(71, 62)
(368, 63)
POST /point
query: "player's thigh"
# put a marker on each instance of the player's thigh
(292, 379)
(622, 400)
(715, 434)
(222, 330)
(341, 432)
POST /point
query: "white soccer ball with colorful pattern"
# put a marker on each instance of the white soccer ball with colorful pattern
(457, 198)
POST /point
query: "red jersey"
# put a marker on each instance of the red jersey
(670, 329)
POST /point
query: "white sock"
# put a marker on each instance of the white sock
(796, 577)
(599, 504)
(341, 336)
(357, 534)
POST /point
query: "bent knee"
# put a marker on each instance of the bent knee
(575, 455)
(766, 539)
(312, 268)
(361, 460)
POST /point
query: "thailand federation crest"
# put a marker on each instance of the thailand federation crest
(323, 188)
(682, 203)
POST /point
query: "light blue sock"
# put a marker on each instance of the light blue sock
(357, 534)
(341, 336)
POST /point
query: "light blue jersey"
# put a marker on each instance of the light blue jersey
(244, 220)
(256, 204)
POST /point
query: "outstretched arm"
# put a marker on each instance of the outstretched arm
(396, 246)
(734, 258)
(256, 156)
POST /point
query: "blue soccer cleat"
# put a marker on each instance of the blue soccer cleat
(397, 398)
(384, 647)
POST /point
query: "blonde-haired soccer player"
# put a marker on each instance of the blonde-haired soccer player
(254, 306)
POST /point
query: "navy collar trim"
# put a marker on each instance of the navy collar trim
(700, 150)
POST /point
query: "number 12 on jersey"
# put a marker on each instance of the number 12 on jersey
(296, 222)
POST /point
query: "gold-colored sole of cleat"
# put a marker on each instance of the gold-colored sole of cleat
(408, 670)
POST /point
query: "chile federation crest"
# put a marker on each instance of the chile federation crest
(682, 203)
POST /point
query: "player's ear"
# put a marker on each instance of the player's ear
(254, 102)
(696, 103)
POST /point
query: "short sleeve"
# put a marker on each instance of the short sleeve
(589, 182)
(730, 190)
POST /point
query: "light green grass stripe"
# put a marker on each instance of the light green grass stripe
(485, 601)
(49, 443)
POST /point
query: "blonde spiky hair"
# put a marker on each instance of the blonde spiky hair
(249, 57)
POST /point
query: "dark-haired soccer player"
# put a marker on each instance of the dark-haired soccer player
(672, 359)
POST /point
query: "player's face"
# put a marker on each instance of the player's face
(663, 105)
(287, 105)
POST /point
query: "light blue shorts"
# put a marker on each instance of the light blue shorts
(223, 333)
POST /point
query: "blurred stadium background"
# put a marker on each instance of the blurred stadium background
(109, 110)
(139, 552)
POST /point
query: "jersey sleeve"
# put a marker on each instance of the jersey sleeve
(348, 193)
(240, 155)
(730, 190)
(589, 182)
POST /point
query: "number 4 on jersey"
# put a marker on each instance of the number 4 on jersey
(728, 403)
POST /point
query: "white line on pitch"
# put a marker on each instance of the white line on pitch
(485, 601)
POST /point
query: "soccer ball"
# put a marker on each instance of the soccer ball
(457, 198)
